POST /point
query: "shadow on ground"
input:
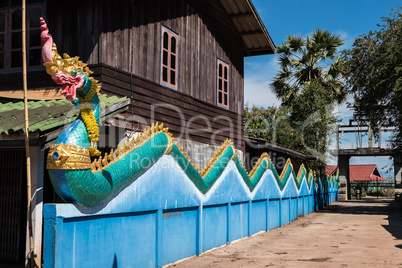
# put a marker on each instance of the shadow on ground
(391, 209)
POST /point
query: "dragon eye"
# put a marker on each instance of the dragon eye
(73, 72)
(55, 155)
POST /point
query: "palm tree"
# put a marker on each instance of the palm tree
(303, 60)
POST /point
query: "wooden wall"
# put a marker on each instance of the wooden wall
(185, 116)
(100, 33)
(115, 33)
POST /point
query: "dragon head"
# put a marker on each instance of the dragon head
(67, 71)
(73, 75)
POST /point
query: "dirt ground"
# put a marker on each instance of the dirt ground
(356, 233)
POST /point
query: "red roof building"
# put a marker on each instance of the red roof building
(360, 173)
(331, 169)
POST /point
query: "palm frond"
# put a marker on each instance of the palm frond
(282, 48)
(303, 60)
(295, 43)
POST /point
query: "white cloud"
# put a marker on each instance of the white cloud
(347, 39)
(259, 73)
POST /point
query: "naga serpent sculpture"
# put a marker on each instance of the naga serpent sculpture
(77, 179)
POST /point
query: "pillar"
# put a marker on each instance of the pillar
(398, 171)
(344, 190)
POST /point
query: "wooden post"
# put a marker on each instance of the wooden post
(30, 256)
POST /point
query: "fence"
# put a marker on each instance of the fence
(162, 217)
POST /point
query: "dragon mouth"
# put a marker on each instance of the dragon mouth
(70, 84)
(69, 92)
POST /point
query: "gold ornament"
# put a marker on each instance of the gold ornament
(67, 156)
(65, 64)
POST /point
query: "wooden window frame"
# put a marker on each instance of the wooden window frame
(220, 84)
(8, 49)
(167, 65)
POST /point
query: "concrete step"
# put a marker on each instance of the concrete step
(342, 197)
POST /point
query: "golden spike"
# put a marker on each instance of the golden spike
(161, 127)
(104, 161)
(165, 130)
(93, 165)
(132, 141)
(127, 145)
(122, 149)
(152, 128)
(111, 157)
(99, 163)
(117, 152)
(136, 139)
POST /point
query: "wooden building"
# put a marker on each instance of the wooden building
(180, 62)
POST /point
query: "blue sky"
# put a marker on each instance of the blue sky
(349, 19)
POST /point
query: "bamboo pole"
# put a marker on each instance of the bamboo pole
(30, 256)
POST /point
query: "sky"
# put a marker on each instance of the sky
(349, 19)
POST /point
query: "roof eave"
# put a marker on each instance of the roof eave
(248, 23)
(262, 26)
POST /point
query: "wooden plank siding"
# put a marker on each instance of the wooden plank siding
(186, 116)
(102, 32)
(124, 36)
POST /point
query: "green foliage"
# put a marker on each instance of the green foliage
(304, 127)
(353, 192)
(375, 75)
(306, 59)
(273, 125)
(374, 191)
(309, 81)
(312, 114)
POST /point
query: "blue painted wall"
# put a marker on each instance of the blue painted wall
(162, 218)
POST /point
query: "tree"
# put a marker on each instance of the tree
(312, 114)
(309, 81)
(303, 60)
(273, 125)
(375, 75)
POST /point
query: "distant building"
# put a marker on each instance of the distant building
(360, 173)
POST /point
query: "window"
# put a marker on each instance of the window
(11, 34)
(223, 84)
(169, 58)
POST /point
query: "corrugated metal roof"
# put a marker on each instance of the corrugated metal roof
(43, 115)
(249, 24)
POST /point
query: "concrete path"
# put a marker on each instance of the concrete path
(357, 233)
